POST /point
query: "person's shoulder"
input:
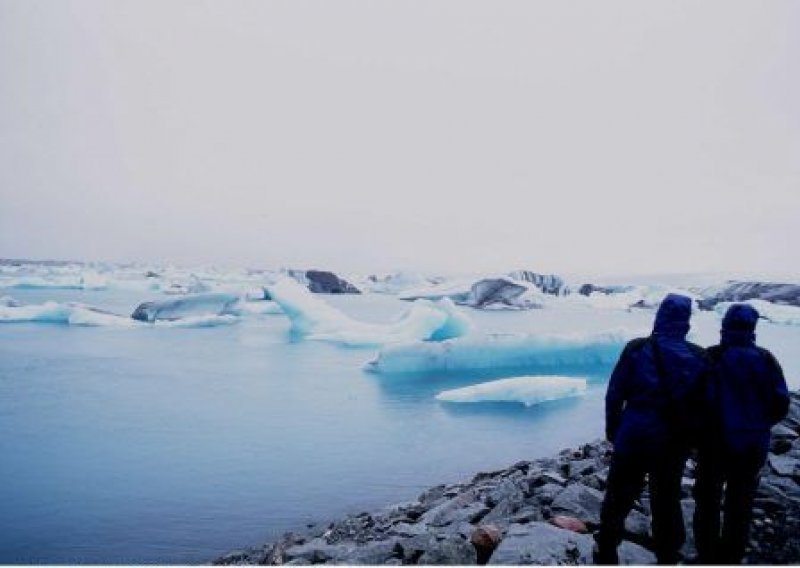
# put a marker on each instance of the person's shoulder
(767, 354)
(635, 345)
(697, 349)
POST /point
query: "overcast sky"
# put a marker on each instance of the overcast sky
(556, 136)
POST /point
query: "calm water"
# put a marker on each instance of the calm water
(177, 445)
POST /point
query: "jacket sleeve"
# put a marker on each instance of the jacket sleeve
(780, 393)
(616, 394)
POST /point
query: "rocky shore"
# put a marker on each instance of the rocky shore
(536, 512)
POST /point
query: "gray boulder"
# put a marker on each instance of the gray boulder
(452, 551)
(579, 501)
(542, 543)
(631, 554)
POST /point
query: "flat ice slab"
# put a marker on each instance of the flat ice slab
(527, 390)
(494, 351)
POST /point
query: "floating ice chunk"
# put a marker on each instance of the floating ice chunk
(775, 313)
(8, 302)
(527, 390)
(519, 351)
(90, 281)
(263, 307)
(315, 319)
(216, 303)
(198, 321)
(67, 313)
(648, 296)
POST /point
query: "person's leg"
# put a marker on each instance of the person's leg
(665, 499)
(625, 482)
(707, 494)
(742, 475)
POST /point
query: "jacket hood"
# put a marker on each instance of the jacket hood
(739, 324)
(673, 315)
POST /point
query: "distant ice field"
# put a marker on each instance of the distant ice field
(170, 444)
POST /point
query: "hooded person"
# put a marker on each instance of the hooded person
(652, 400)
(746, 396)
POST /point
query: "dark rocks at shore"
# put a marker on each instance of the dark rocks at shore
(323, 282)
(537, 512)
(777, 293)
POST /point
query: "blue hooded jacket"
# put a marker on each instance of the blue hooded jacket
(747, 391)
(655, 391)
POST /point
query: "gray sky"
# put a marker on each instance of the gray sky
(557, 136)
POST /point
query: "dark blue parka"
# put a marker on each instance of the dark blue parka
(647, 402)
(747, 391)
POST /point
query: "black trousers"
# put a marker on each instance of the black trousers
(626, 479)
(734, 475)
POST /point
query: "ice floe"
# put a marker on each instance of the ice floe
(528, 390)
(496, 351)
(313, 318)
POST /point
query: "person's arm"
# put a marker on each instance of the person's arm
(616, 394)
(779, 406)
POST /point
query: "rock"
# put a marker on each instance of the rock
(317, 551)
(453, 551)
(377, 552)
(580, 468)
(743, 291)
(785, 466)
(637, 527)
(547, 493)
(323, 282)
(406, 529)
(526, 515)
(631, 554)
(547, 283)
(547, 476)
(542, 543)
(781, 439)
(569, 523)
(464, 507)
(413, 548)
(506, 490)
(580, 501)
(485, 539)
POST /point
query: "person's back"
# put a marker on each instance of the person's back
(747, 395)
(649, 406)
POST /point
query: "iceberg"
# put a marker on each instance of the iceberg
(735, 291)
(215, 303)
(88, 316)
(527, 390)
(62, 313)
(775, 313)
(314, 319)
(508, 351)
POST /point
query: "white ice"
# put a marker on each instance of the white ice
(496, 351)
(82, 315)
(214, 303)
(315, 319)
(528, 390)
(644, 296)
(775, 313)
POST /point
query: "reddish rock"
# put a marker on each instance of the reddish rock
(485, 539)
(570, 524)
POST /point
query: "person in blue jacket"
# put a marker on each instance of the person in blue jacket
(652, 400)
(746, 396)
